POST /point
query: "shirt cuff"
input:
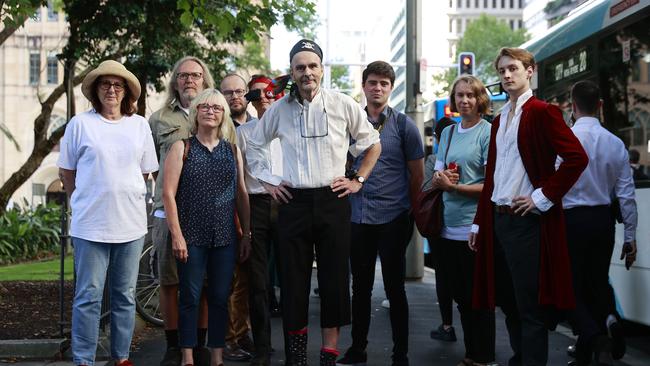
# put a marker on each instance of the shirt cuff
(541, 202)
(270, 179)
(629, 236)
(439, 166)
(474, 229)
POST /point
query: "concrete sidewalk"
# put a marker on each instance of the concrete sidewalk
(424, 316)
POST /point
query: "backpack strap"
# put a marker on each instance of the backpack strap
(186, 149)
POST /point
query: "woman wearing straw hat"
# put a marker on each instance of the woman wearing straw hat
(105, 154)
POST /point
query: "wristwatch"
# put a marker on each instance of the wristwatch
(360, 179)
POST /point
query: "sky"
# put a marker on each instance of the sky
(359, 32)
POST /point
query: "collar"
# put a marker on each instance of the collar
(587, 122)
(520, 101)
(383, 116)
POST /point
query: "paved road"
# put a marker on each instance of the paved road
(424, 316)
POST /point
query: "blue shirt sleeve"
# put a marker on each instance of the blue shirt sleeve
(413, 145)
(485, 141)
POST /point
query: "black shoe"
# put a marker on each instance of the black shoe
(353, 357)
(602, 347)
(232, 352)
(246, 343)
(201, 356)
(442, 334)
(298, 349)
(571, 351)
(172, 357)
(400, 361)
(615, 332)
(327, 358)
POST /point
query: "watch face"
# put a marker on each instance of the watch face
(361, 179)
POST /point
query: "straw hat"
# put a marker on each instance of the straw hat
(114, 68)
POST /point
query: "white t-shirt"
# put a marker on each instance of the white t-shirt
(108, 203)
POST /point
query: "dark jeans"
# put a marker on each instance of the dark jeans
(457, 267)
(517, 249)
(590, 235)
(315, 220)
(389, 241)
(220, 264)
(443, 287)
(264, 233)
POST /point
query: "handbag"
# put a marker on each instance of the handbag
(428, 211)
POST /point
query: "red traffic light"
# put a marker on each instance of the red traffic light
(466, 63)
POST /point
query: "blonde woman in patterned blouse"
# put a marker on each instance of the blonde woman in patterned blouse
(203, 188)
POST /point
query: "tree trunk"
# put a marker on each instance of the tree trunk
(142, 101)
(42, 144)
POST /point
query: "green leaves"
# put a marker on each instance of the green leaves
(29, 233)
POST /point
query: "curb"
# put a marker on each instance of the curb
(56, 348)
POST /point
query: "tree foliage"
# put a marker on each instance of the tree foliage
(149, 36)
(484, 37)
(340, 76)
(14, 13)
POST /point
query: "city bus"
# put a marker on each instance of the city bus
(608, 42)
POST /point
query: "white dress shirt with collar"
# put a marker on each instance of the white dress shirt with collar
(510, 178)
(273, 153)
(314, 136)
(607, 175)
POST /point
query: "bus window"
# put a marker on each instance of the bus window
(624, 71)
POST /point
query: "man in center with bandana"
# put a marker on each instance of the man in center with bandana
(314, 127)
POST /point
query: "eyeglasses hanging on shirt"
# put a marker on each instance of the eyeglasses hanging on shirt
(318, 126)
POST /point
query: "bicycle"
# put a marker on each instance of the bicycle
(147, 290)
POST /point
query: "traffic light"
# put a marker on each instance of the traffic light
(466, 63)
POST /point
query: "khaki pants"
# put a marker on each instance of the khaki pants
(238, 325)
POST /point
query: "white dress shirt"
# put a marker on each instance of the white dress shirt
(273, 153)
(607, 175)
(314, 136)
(510, 178)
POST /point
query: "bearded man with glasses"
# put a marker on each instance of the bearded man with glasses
(315, 214)
(169, 124)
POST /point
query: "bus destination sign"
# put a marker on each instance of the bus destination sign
(571, 65)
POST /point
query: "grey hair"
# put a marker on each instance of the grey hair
(172, 93)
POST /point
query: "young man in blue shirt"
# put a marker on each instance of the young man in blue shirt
(381, 223)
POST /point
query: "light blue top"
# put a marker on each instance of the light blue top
(468, 149)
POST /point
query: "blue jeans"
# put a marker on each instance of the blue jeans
(94, 262)
(220, 264)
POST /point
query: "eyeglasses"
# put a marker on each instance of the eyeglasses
(106, 85)
(206, 107)
(317, 129)
(231, 93)
(193, 75)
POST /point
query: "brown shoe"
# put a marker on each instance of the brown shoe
(232, 352)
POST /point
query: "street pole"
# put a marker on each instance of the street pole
(414, 251)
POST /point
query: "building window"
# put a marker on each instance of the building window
(34, 68)
(451, 25)
(468, 4)
(459, 4)
(52, 14)
(451, 3)
(520, 4)
(52, 69)
(485, 4)
(512, 24)
(520, 24)
(503, 4)
(37, 15)
(494, 4)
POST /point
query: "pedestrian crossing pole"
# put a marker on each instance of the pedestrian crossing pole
(414, 74)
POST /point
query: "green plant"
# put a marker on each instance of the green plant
(28, 233)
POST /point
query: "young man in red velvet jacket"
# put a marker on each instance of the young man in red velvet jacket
(522, 261)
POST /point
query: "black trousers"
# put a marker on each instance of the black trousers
(389, 240)
(517, 255)
(264, 233)
(443, 285)
(315, 219)
(457, 267)
(590, 234)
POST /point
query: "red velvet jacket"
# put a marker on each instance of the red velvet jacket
(541, 137)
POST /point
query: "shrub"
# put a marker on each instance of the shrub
(29, 233)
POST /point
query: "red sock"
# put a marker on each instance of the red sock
(298, 332)
(330, 350)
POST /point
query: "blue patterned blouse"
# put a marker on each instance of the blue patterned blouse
(206, 195)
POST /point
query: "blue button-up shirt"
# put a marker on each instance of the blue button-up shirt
(385, 194)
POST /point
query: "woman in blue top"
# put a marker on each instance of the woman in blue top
(203, 190)
(460, 171)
